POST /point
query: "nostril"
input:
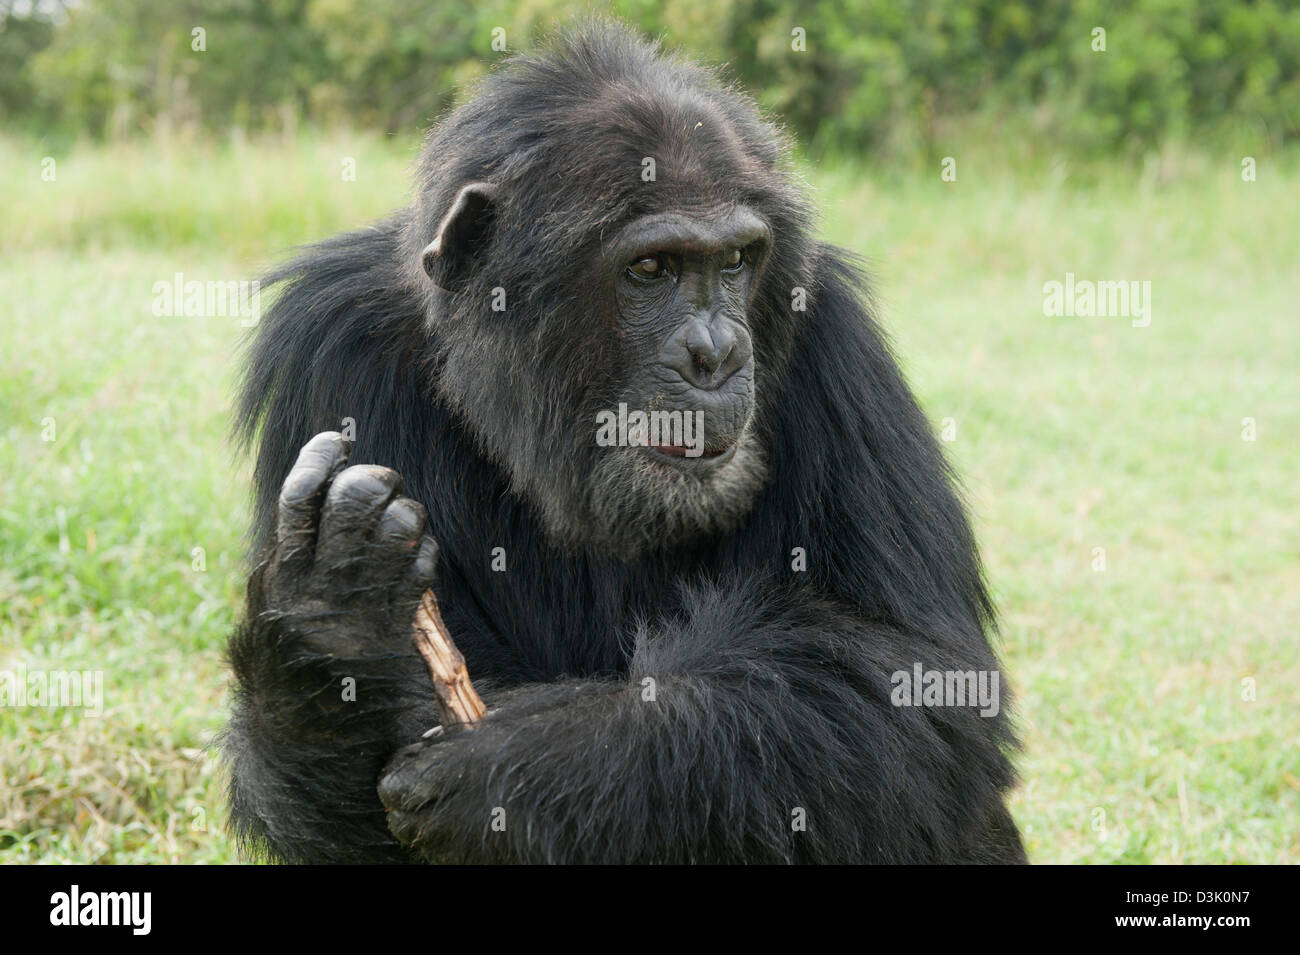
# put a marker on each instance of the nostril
(707, 354)
(706, 361)
(700, 347)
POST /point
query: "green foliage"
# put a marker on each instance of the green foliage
(895, 75)
(21, 38)
(882, 73)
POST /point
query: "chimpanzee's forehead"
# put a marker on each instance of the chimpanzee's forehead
(652, 154)
(690, 131)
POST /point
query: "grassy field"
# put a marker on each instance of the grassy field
(1159, 693)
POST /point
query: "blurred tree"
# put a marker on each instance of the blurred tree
(844, 74)
(22, 36)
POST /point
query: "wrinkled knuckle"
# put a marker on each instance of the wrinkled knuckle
(395, 793)
(322, 451)
(416, 508)
(404, 518)
(362, 483)
(300, 486)
(325, 444)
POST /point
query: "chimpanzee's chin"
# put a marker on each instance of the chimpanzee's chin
(641, 501)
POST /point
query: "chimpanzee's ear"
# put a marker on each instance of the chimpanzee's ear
(461, 234)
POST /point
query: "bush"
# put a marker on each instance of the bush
(873, 74)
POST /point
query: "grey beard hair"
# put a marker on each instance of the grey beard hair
(633, 505)
(626, 504)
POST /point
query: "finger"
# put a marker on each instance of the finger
(408, 781)
(424, 570)
(301, 495)
(353, 506)
(399, 555)
(401, 524)
(418, 831)
(404, 826)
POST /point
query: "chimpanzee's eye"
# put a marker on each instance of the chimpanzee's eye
(735, 259)
(648, 267)
(654, 266)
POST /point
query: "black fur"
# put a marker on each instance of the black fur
(772, 685)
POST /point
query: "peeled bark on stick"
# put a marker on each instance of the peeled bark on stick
(458, 703)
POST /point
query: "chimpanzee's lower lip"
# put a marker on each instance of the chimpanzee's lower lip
(679, 457)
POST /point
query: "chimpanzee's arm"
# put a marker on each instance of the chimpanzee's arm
(758, 727)
(755, 725)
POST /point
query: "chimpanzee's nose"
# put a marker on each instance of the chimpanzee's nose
(706, 353)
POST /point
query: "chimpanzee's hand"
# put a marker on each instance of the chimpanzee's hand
(327, 680)
(350, 558)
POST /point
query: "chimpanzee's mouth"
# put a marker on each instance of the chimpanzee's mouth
(686, 457)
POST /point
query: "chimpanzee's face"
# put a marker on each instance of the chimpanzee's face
(618, 385)
(683, 285)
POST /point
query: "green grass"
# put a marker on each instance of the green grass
(1072, 434)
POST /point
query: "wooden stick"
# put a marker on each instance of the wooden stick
(458, 703)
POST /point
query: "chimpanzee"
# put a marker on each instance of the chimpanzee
(600, 388)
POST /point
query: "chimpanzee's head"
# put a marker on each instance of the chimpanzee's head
(613, 262)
